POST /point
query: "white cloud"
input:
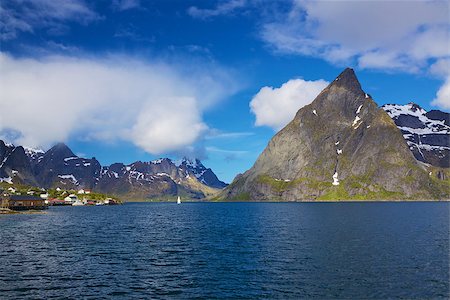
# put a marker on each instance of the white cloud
(441, 68)
(275, 107)
(168, 127)
(155, 105)
(396, 35)
(443, 96)
(224, 8)
(27, 15)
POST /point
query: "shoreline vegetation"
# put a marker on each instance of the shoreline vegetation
(55, 197)
(49, 197)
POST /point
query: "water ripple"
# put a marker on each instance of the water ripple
(228, 250)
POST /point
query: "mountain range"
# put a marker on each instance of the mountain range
(340, 146)
(344, 146)
(60, 167)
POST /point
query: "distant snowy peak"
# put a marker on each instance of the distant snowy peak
(416, 120)
(33, 150)
(34, 153)
(427, 133)
(179, 171)
(203, 174)
(160, 161)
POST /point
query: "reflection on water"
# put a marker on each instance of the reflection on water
(228, 250)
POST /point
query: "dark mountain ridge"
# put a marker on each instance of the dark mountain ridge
(60, 167)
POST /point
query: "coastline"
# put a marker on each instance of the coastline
(7, 211)
(300, 201)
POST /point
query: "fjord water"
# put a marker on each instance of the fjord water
(228, 250)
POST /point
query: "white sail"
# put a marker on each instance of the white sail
(178, 200)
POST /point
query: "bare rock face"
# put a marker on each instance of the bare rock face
(341, 146)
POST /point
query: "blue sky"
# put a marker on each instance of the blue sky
(128, 80)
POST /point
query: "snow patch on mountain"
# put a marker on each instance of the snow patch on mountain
(335, 179)
(70, 177)
(426, 133)
(355, 121)
(359, 109)
(7, 180)
(71, 158)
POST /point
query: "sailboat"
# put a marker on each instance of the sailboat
(178, 200)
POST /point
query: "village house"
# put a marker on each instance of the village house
(72, 198)
(83, 191)
(24, 202)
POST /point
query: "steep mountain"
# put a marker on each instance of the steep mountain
(203, 174)
(15, 165)
(60, 167)
(426, 133)
(341, 146)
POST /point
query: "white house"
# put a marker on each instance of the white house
(71, 198)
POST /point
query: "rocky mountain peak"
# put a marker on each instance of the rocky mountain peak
(348, 80)
(191, 162)
(415, 107)
(341, 146)
(60, 150)
(342, 103)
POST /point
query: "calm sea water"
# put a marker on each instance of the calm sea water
(228, 250)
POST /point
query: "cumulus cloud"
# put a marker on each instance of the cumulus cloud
(443, 95)
(27, 15)
(161, 128)
(275, 107)
(223, 8)
(396, 35)
(155, 105)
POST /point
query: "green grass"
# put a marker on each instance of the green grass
(337, 192)
(279, 185)
(242, 197)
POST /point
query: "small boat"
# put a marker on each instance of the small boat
(77, 203)
(178, 200)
